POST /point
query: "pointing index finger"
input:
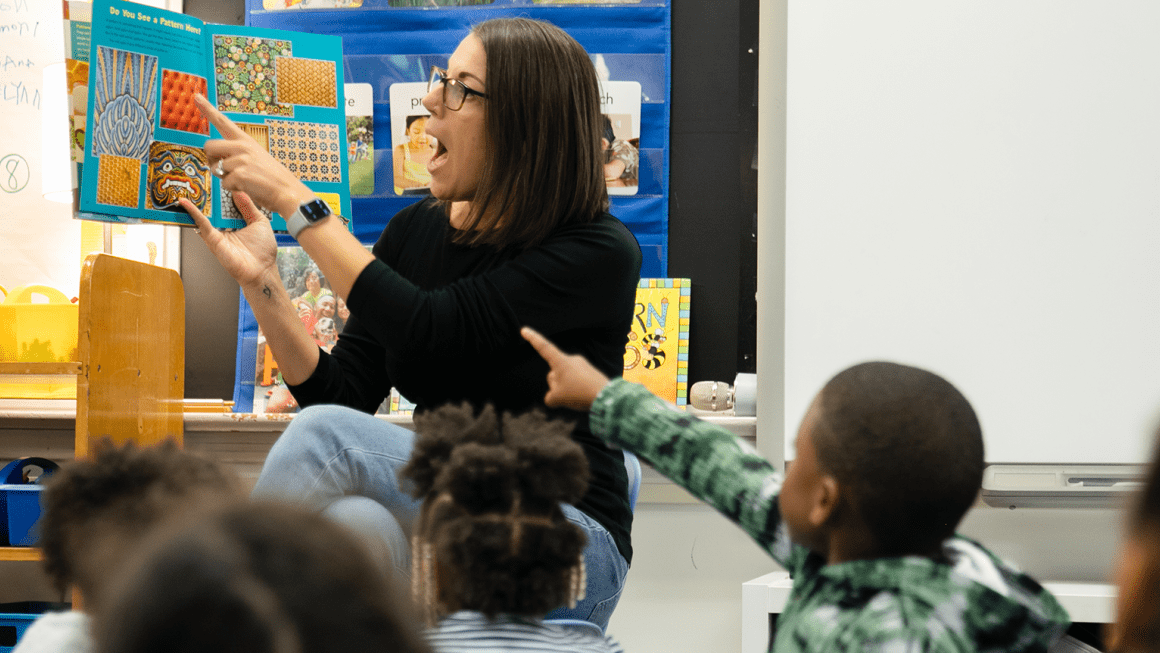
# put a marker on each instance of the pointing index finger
(542, 345)
(224, 125)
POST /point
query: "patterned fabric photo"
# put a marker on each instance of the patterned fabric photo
(244, 73)
(177, 108)
(312, 151)
(306, 81)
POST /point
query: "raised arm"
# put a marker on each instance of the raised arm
(710, 462)
(249, 254)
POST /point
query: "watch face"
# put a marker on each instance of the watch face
(314, 210)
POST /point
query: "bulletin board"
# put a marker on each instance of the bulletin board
(390, 45)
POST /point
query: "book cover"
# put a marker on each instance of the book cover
(657, 352)
(143, 134)
(323, 314)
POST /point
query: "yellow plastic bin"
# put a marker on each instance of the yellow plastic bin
(38, 331)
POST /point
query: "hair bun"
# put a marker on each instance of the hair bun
(480, 477)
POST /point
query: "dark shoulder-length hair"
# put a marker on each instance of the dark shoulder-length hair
(543, 166)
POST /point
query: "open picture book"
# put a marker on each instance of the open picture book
(144, 134)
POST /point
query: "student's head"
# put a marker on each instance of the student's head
(255, 578)
(891, 450)
(97, 509)
(527, 156)
(1137, 626)
(492, 536)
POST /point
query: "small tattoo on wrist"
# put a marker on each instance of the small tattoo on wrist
(267, 292)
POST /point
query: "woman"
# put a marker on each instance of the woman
(517, 234)
(411, 157)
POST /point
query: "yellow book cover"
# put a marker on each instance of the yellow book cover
(657, 352)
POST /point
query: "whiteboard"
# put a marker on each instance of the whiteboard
(973, 187)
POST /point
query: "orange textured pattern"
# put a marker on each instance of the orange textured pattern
(118, 178)
(177, 108)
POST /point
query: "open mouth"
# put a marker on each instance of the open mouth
(440, 156)
(170, 182)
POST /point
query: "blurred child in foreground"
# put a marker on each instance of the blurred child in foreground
(96, 513)
(256, 578)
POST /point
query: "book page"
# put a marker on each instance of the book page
(284, 89)
(144, 135)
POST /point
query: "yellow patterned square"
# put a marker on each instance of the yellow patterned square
(118, 180)
(332, 200)
(311, 82)
(257, 132)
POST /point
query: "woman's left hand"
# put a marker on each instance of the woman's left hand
(246, 166)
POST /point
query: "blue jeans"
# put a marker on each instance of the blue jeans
(345, 463)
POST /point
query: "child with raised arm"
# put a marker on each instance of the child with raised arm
(889, 459)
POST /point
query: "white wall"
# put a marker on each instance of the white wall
(683, 592)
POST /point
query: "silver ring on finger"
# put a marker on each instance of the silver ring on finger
(219, 171)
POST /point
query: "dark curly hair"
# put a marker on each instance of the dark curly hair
(908, 445)
(491, 518)
(95, 507)
(255, 578)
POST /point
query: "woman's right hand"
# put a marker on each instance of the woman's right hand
(246, 253)
(244, 165)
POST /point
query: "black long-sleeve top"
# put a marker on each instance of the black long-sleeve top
(440, 322)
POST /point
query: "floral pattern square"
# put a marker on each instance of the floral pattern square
(244, 74)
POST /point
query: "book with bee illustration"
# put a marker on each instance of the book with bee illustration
(657, 352)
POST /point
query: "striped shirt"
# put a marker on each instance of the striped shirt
(472, 632)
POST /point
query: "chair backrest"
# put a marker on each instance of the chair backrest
(632, 467)
(131, 343)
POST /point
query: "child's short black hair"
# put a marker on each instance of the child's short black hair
(256, 578)
(907, 445)
(491, 517)
(97, 505)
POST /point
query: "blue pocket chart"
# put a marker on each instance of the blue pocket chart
(391, 42)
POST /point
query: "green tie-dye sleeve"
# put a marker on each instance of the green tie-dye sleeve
(708, 461)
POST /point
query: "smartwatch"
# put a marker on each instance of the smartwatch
(306, 215)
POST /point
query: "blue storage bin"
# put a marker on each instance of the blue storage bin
(21, 506)
(15, 618)
(20, 501)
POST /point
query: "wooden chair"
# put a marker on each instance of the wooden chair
(131, 346)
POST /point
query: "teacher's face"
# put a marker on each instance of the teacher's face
(457, 166)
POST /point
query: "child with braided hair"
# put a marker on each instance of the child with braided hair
(492, 550)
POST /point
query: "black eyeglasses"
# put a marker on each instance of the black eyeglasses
(455, 92)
